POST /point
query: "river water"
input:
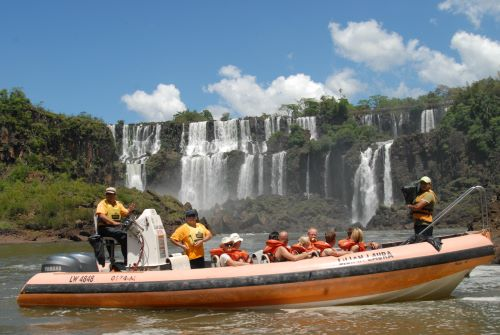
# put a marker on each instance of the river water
(473, 308)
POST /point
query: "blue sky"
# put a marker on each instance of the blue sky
(144, 61)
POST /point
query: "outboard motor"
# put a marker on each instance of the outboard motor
(76, 262)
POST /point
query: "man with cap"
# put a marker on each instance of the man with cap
(109, 214)
(423, 206)
(190, 237)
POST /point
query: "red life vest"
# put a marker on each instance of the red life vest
(321, 245)
(235, 254)
(298, 249)
(348, 244)
(272, 246)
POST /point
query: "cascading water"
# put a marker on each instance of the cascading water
(308, 177)
(204, 163)
(388, 201)
(326, 174)
(246, 177)
(278, 173)
(427, 121)
(260, 183)
(308, 123)
(365, 200)
(139, 142)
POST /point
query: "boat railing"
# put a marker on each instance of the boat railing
(482, 203)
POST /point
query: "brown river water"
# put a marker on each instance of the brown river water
(473, 308)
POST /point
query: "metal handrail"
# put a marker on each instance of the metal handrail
(483, 205)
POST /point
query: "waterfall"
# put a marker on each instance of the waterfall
(394, 125)
(245, 180)
(271, 126)
(308, 123)
(307, 176)
(245, 137)
(365, 200)
(204, 164)
(388, 201)
(367, 119)
(327, 170)
(203, 180)
(139, 142)
(427, 121)
(225, 136)
(278, 173)
(260, 183)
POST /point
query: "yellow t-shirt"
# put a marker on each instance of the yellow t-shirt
(114, 213)
(189, 236)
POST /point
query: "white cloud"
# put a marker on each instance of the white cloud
(403, 91)
(380, 50)
(437, 68)
(480, 58)
(345, 80)
(473, 9)
(230, 71)
(246, 97)
(367, 42)
(217, 111)
(161, 105)
(480, 55)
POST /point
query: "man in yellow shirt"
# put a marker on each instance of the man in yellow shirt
(109, 214)
(190, 237)
(423, 206)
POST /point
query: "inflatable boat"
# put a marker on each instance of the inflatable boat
(395, 272)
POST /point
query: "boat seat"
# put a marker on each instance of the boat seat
(265, 259)
(256, 257)
(215, 261)
(109, 241)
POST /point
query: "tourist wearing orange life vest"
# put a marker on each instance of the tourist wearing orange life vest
(323, 248)
(231, 256)
(355, 243)
(279, 250)
(423, 206)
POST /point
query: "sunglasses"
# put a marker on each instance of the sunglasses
(228, 245)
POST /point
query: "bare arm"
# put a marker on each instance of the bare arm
(282, 252)
(179, 244)
(207, 237)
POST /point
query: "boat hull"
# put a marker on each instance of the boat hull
(410, 272)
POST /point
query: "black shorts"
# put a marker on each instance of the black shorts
(197, 263)
(420, 226)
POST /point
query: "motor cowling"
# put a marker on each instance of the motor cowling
(75, 262)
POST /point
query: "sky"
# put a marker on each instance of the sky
(142, 61)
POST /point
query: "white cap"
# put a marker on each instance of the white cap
(111, 190)
(235, 238)
(225, 240)
(425, 179)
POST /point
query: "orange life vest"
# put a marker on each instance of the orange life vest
(298, 249)
(272, 246)
(235, 254)
(348, 244)
(321, 245)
